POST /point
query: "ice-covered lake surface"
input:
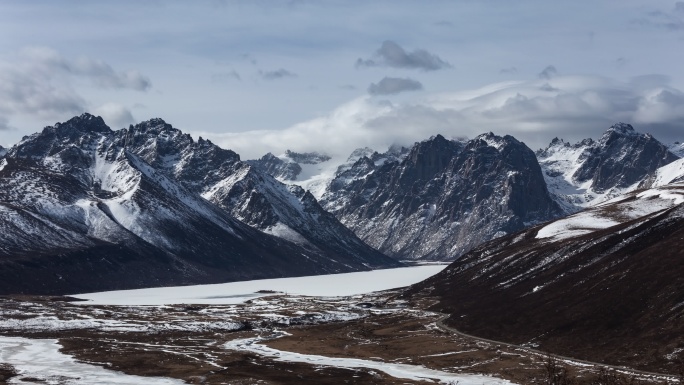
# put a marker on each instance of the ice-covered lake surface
(39, 361)
(330, 285)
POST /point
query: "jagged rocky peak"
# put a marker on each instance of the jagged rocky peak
(3, 151)
(83, 124)
(276, 167)
(621, 158)
(307, 157)
(167, 148)
(621, 129)
(63, 139)
(590, 172)
(443, 198)
(431, 156)
(360, 153)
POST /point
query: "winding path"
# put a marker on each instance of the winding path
(573, 361)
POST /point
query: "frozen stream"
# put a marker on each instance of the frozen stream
(405, 371)
(40, 361)
(238, 292)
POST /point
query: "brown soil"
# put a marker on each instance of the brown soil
(6, 372)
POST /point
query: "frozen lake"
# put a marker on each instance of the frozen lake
(238, 292)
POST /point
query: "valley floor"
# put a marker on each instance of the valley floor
(376, 338)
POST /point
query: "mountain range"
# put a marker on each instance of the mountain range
(85, 208)
(440, 198)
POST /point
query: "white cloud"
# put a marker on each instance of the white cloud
(115, 115)
(571, 107)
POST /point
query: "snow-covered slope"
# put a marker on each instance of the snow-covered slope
(84, 208)
(249, 194)
(670, 173)
(603, 285)
(590, 172)
(677, 148)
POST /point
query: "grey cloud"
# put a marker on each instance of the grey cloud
(669, 21)
(585, 109)
(508, 71)
(4, 125)
(671, 98)
(621, 62)
(349, 87)
(225, 76)
(547, 87)
(390, 86)
(277, 74)
(444, 23)
(390, 54)
(99, 72)
(23, 90)
(548, 72)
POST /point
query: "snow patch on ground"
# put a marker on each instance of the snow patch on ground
(620, 210)
(575, 225)
(404, 371)
(41, 361)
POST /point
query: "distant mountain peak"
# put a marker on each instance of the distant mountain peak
(590, 172)
(307, 157)
(84, 123)
(623, 128)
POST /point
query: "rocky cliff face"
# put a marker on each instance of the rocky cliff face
(276, 167)
(443, 198)
(85, 208)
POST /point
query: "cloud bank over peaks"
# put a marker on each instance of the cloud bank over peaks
(535, 111)
(391, 54)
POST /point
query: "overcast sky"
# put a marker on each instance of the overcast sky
(258, 76)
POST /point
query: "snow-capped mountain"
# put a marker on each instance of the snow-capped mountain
(442, 198)
(590, 172)
(3, 151)
(251, 195)
(85, 208)
(584, 286)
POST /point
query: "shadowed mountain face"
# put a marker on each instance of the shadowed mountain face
(443, 198)
(84, 208)
(598, 285)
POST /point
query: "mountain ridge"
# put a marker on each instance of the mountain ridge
(78, 190)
